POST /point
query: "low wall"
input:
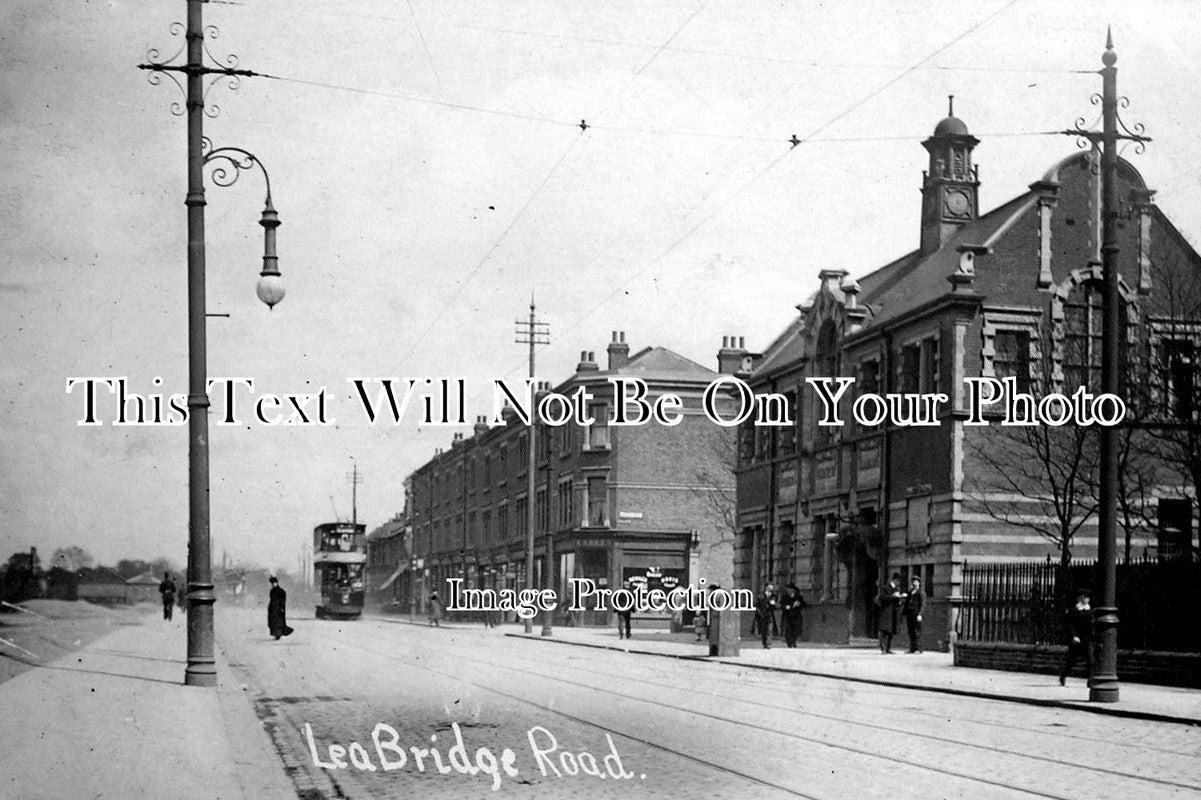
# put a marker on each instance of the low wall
(1135, 666)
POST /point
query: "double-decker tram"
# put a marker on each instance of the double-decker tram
(339, 556)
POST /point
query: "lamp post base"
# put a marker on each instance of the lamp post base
(1103, 689)
(202, 665)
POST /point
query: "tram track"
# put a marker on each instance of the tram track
(840, 720)
(441, 659)
(861, 752)
(772, 681)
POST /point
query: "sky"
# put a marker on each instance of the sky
(428, 168)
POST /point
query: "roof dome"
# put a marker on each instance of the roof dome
(951, 125)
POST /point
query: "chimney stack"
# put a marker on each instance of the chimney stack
(731, 355)
(619, 351)
(481, 426)
(587, 362)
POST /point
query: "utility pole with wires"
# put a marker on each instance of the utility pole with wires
(355, 479)
(533, 333)
(1103, 682)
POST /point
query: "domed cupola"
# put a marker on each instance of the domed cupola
(950, 186)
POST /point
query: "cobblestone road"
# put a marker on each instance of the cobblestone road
(679, 728)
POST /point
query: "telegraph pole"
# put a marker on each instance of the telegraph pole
(533, 333)
(355, 479)
(1103, 683)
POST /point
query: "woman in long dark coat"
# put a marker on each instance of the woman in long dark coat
(277, 610)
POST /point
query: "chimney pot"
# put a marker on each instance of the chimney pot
(619, 351)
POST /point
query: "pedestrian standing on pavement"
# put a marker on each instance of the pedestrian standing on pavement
(435, 612)
(775, 595)
(277, 610)
(889, 601)
(1079, 626)
(791, 609)
(167, 590)
(765, 611)
(623, 617)
(911, 609)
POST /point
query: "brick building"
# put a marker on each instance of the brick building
(387, 570)
(646, 502)
(1014, 292)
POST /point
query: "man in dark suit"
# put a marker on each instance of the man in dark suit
(765, 612)
(889, 602)
(167, 590)
(912, 608)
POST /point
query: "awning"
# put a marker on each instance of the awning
(393, 577)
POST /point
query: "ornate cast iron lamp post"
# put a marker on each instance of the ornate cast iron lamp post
(1103, 684)
(226, 164)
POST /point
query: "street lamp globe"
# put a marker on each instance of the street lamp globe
(270, 288)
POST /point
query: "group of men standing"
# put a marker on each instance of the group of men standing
(894, 604)
(791, 606)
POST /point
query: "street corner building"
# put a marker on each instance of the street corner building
(1011, 293)
(641, 503)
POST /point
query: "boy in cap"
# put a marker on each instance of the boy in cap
(1078, 622)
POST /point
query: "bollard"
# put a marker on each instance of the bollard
(724, 633)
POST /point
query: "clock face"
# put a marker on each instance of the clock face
(957, 204)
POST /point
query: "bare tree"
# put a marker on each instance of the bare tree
(72, 559)
(1040, 478)
(713, 485)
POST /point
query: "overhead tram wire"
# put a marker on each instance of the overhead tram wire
(583, 126)
(775, 161)
(773, 59)
(563, 123)
(649, 46)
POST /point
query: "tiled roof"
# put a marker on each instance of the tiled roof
(914, 279)
(659, 363)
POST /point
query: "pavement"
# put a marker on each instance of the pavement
(114, 720)
(926, 671)
(933, 672)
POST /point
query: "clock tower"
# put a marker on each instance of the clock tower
(950, 187)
